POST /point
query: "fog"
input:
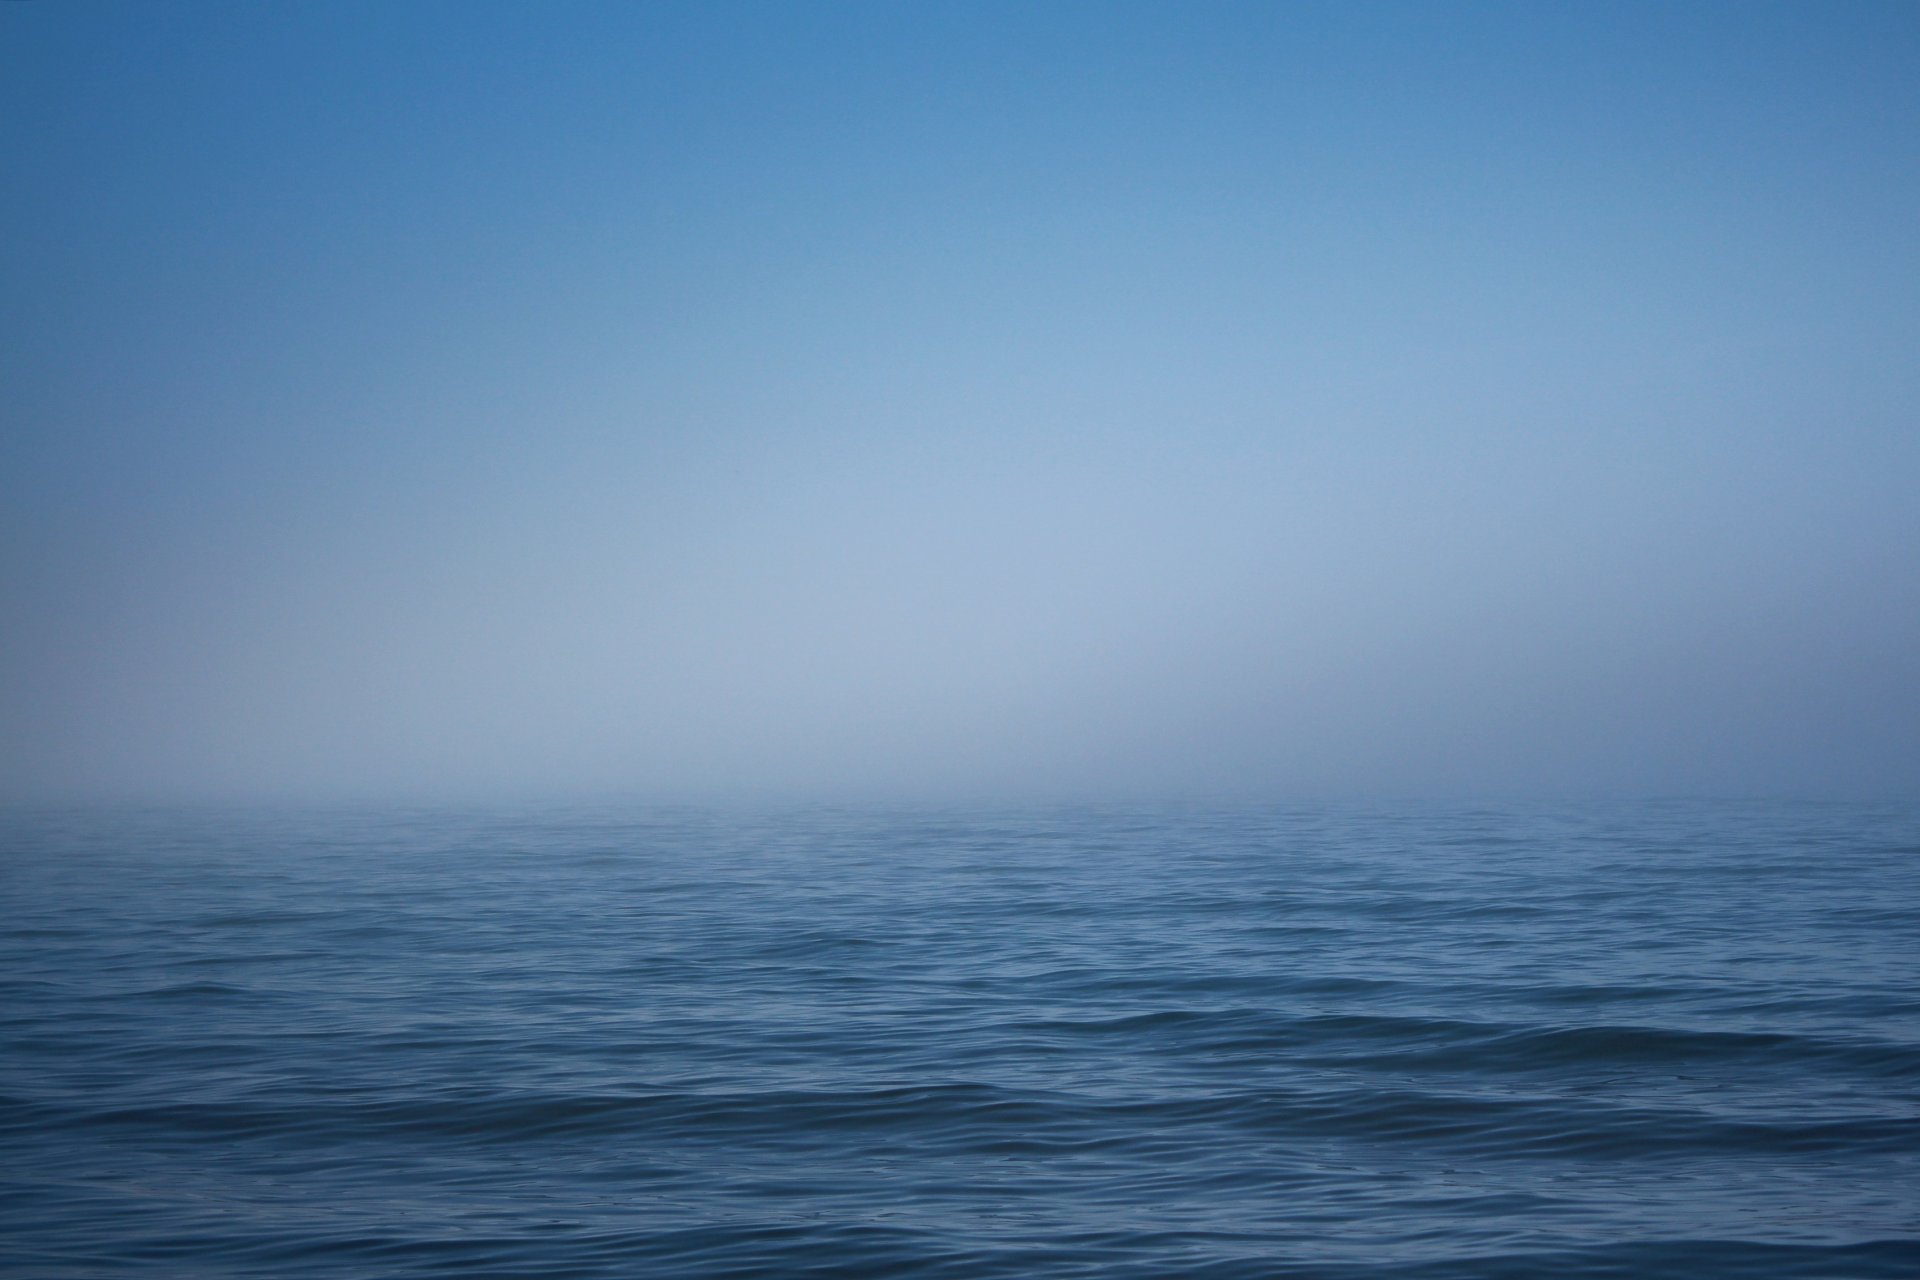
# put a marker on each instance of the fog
(843, 402)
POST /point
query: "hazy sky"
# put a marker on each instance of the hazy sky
(909, 399)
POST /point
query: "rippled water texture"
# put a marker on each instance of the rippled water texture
(1677, 1040)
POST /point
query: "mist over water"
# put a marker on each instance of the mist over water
(682, 401)
(1001, 640)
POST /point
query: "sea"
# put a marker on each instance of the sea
(1673, 1039)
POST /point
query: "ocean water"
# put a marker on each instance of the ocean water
(1630, 1040)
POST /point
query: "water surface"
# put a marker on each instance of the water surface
(1651, 1040)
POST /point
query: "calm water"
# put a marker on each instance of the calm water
(1676, 1040)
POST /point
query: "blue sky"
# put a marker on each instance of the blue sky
(843, 400)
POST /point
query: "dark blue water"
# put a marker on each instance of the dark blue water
(1674, 1040)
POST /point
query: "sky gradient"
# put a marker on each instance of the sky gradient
(671, 401)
